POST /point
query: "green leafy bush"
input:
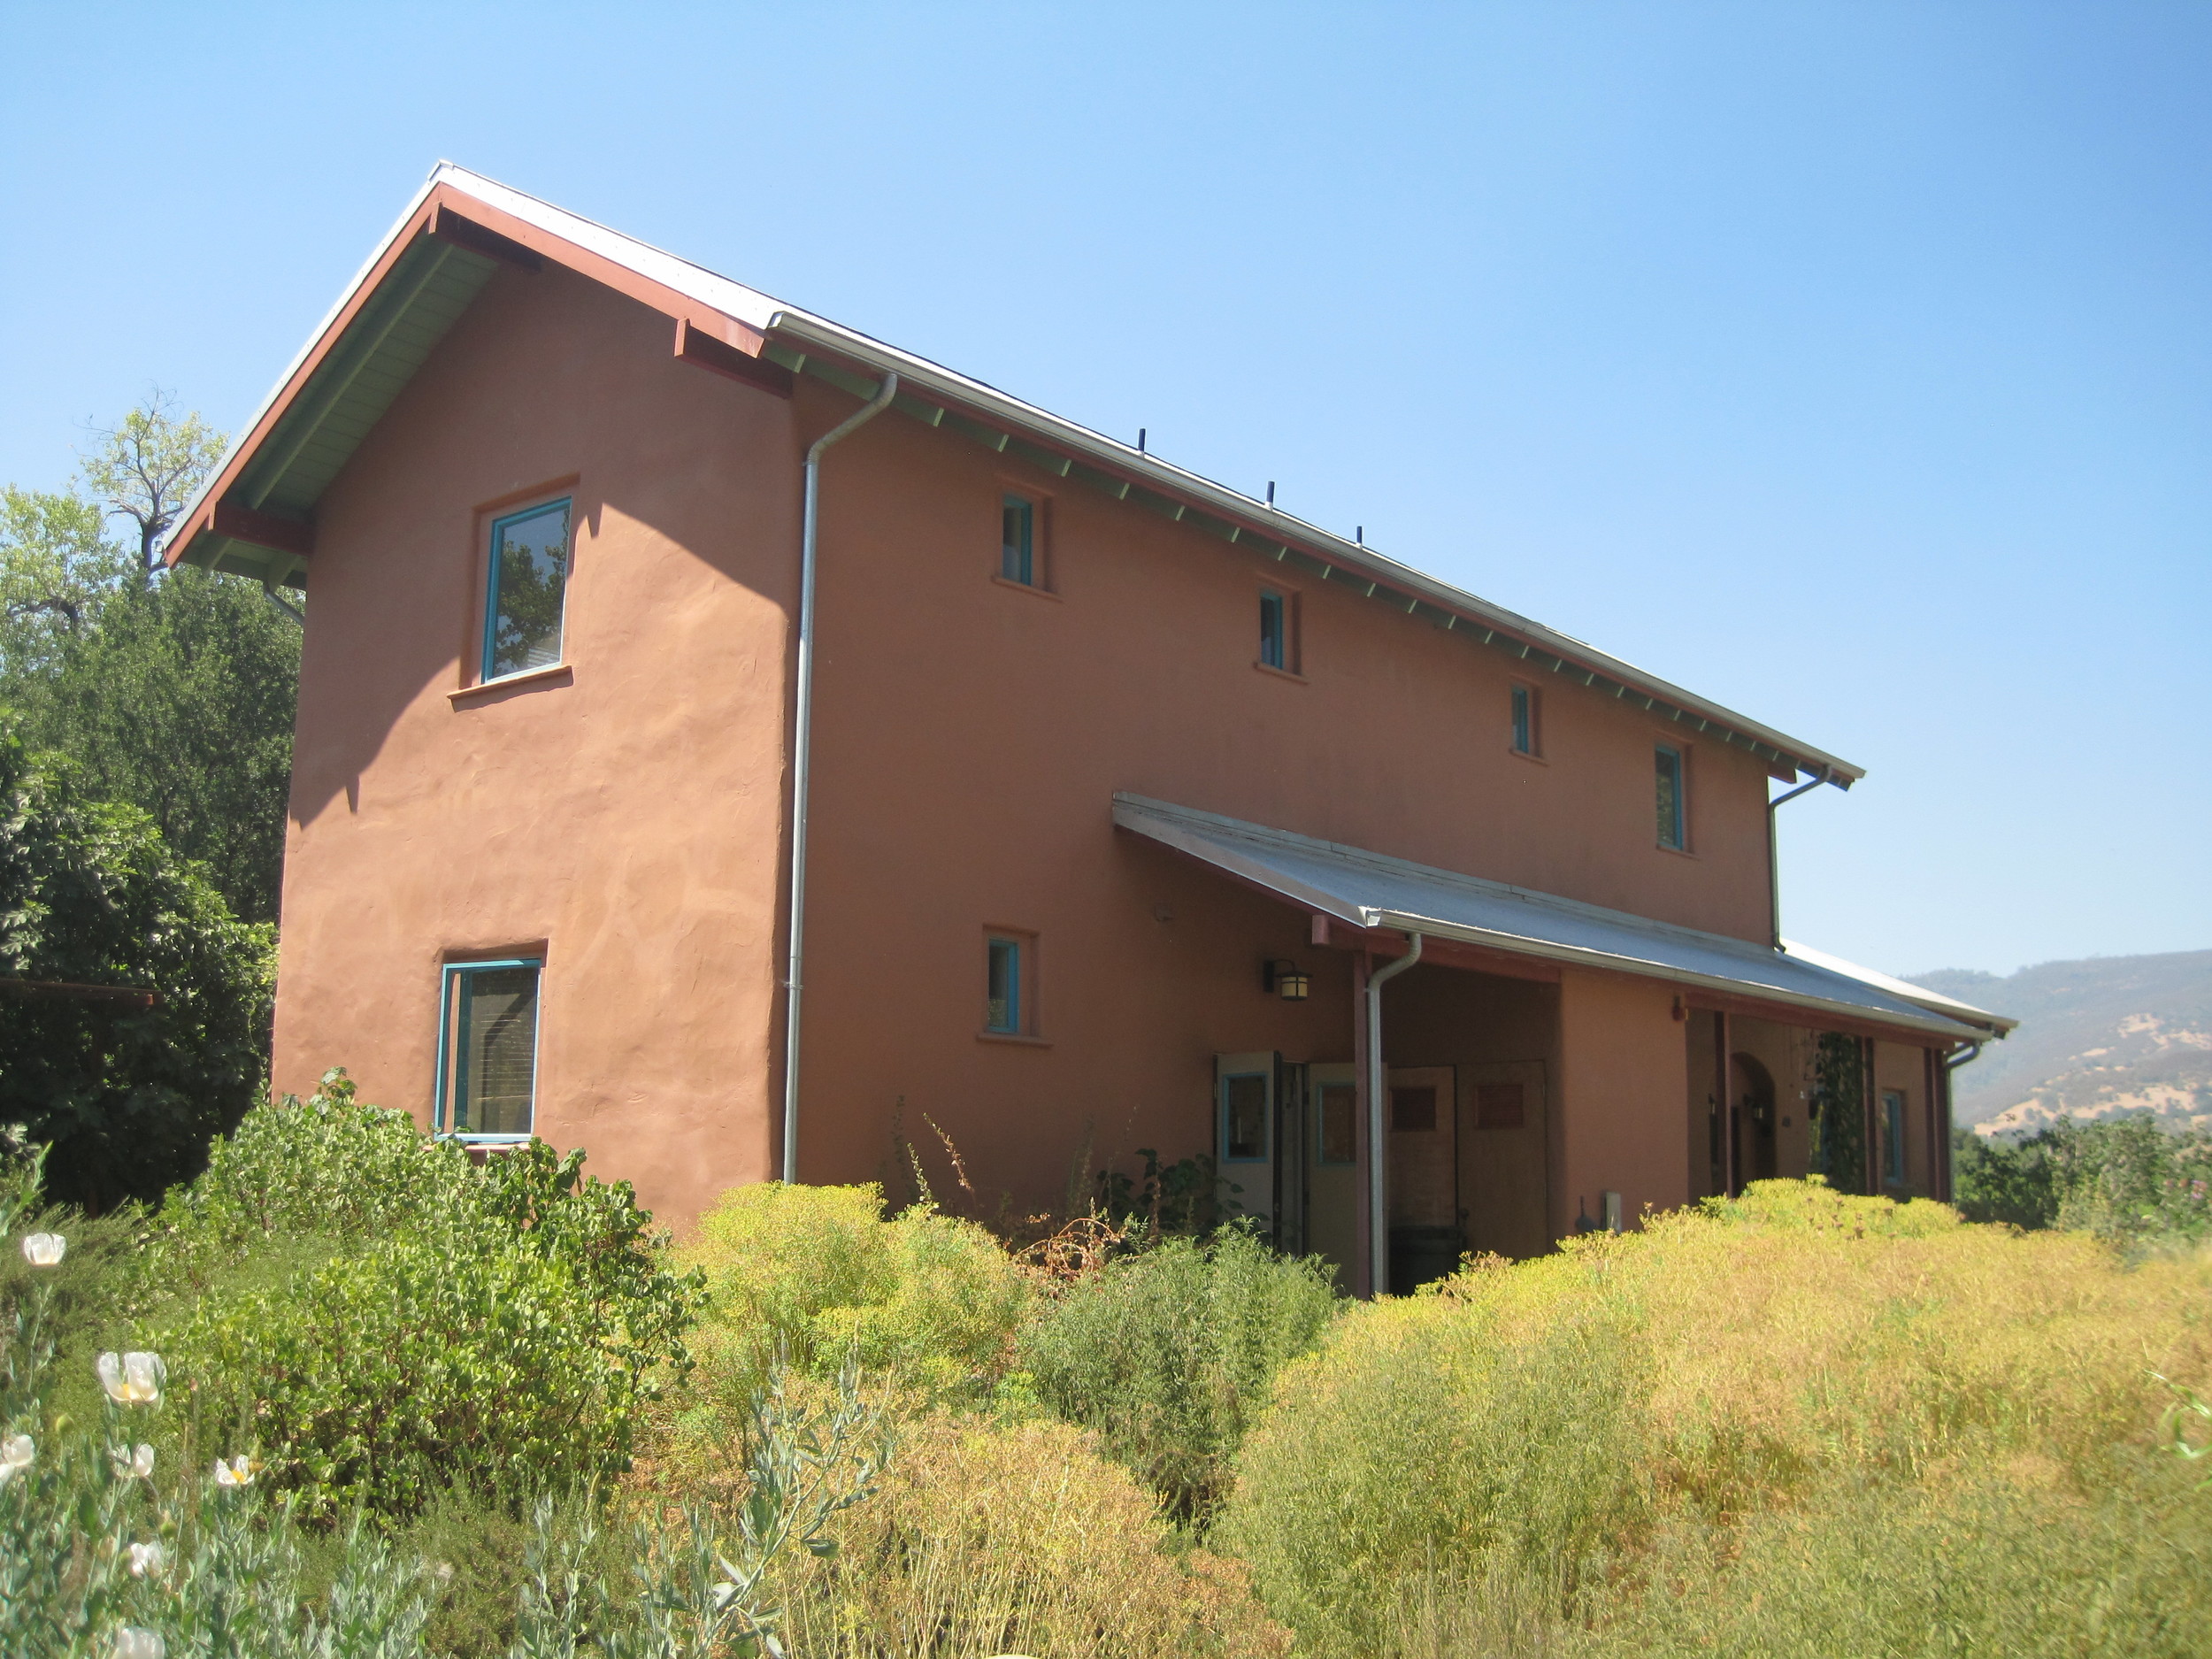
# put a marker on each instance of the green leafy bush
(819, 1273)
(2126, 1180)
(376, 1320)
(1170, 1354)
(125, 1099)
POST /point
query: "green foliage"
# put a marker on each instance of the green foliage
(1839, 1113)
(58, 569)
(430, 1323)
(819, 1273)
(173, 691)
(1188, 1198)
(125, 1099)
(180, 702)
(2126, 1180)
(1697, 1438)
(1170, 1354)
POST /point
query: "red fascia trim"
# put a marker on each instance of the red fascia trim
(1443, 953)
(458, 217)
(1808, 1019)
(263, 529)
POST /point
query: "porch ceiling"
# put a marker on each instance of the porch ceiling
(1369, 889)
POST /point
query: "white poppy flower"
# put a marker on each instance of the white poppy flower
(43, 1249)
(16, 1452)
(134, 1378)
(238, 1471)
(138, 1464)
(131, 1642)
(147, 1558)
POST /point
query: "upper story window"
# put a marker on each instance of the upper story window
(1526, 735)
(1674, 799)
(1278, 645)
(487, 1049)
(1018, 539)
(1009, 959)
(527, 583)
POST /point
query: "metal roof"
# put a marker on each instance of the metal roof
(254, 516)
(1370, 889)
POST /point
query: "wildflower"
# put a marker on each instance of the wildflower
(238, 1471)
(147, 1558)
(134, 1378)
(43, 1249)
(131, 1642)
(131, 1464)
(16, 1452)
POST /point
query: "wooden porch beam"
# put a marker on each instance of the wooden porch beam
(277, 532)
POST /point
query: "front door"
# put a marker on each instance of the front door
(1425, 1239)
(1244, 1133)
(1333, 1170)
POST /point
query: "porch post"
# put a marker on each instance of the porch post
(1721, 1081)
(1363, 1273)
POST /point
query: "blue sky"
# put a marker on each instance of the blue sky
(1850, 363)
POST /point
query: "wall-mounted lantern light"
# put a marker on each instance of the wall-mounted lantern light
(1287, 979)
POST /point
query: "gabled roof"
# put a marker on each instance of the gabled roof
(255, 516)
(1373, 890)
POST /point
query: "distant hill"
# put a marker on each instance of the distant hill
(2103, 1038)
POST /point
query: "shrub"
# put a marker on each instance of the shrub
(820, 1273)
(1546, 1427)
(375, 1319)
(1168, 1355)
(989, 1539)
(125, 1098)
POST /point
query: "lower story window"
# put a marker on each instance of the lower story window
(488, 1047)
(1894, 1137)
(1244, 1118)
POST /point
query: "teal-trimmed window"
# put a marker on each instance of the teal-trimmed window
(1003, 984)
(1894, 1137)
(1524, 735)
(487, 1049)
(1244, 1118)
(524, 590)
(1018, 539)
(1274, 630)
(1673, 797)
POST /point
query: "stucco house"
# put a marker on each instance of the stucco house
(724, 737)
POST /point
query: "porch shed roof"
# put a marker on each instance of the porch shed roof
(1370, 889)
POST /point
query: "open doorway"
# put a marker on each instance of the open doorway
(1751, 1119)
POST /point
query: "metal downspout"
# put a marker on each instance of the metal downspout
(1774, 857)
(1378, 1144)
(801, 741)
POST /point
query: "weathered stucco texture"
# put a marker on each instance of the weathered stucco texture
(624, 818)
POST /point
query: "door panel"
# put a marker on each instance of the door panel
(1423, 1125)
(1244, 1130)
(1332, 1172)
(1503, 1173)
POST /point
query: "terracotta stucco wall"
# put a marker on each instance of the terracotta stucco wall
(1623, 1077)
(626, 820)
(971, 736)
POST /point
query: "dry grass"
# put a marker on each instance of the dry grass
(1018, 1539)
(1632, 1417)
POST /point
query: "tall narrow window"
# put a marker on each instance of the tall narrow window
(1017, 541)
(523, 591)
(1274, 631)
(1672, 815)
(1003, 985)
(1338, 1111)
(1894, 1137)
(487, 1049)
(1524, 735)
(1244, 1118)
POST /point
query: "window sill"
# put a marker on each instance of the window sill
(468, 1140)
(1676, 852)
(1017, 1039)
(1032, 588)
(564, 674)
(1527, 755)
(1279, 673)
